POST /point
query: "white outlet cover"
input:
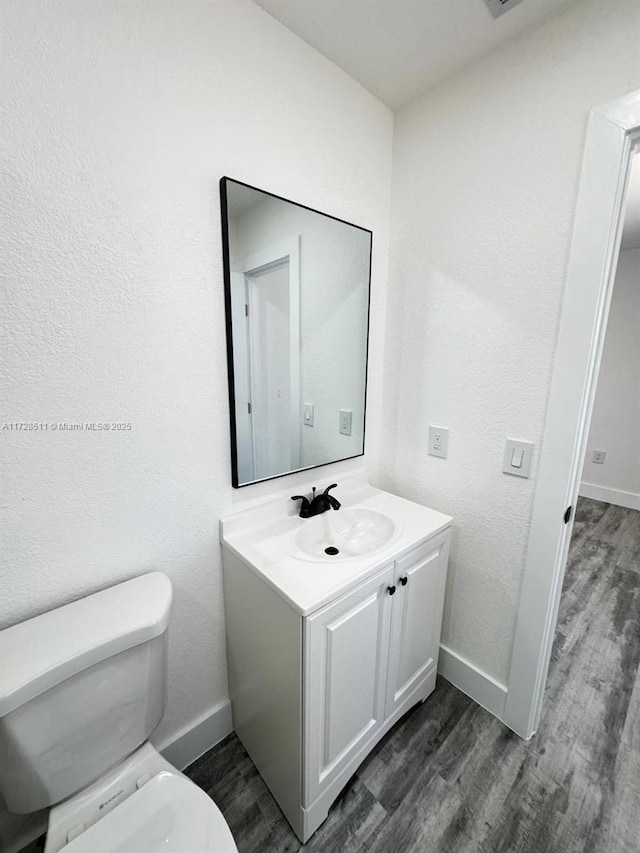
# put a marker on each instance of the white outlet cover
(517, 457)
(438, 441)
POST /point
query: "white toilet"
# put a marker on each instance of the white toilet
(81, 689)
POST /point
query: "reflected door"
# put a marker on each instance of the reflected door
(269, 320)
(266, 344)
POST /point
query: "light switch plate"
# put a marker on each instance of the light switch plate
(308, 414)
(517, 457)
(345, 421)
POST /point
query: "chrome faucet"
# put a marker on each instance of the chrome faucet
(318, 503)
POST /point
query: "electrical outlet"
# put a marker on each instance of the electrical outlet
(438, 441)
(598, 456)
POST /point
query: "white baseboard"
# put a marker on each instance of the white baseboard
(199, 737)
(611, 496)
(16, 831)
(472, 681)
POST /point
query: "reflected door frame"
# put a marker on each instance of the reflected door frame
(287, 251)
(242, 397)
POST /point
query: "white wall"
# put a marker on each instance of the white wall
(615, 422)
(486, 170)
(118, 121)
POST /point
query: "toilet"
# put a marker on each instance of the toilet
(81, 690)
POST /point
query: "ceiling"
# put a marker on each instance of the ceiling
(397, 49)
(631, 232)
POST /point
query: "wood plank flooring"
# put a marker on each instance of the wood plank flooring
(450, 778)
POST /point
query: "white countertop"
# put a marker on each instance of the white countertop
(264, 538)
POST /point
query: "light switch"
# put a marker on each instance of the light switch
(345, 421)
(307, 414)
(517, 457)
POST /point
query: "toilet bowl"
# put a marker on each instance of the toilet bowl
(144, 805)
(82, 690)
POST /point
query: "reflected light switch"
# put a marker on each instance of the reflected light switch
(344, 426)
(307, 414)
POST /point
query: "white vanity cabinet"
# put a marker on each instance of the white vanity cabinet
(416, 621)
(345, 680)
(369, 656)
(313, 692)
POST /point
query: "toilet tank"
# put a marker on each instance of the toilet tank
(81, 687)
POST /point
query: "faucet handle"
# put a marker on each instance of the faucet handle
(304, 506)
(333, 502)
(305, 501)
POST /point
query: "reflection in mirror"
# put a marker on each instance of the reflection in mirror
(297, 308)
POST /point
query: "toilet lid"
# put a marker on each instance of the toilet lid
(169, 814)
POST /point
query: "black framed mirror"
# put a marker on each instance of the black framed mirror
(297, 293)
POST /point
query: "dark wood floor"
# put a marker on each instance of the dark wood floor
(450, 778)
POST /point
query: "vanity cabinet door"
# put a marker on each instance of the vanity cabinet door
(416, 620)
(346, 653)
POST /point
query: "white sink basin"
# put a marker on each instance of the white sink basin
(369, 530)
(344, 533)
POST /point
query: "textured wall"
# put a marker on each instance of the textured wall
(118, 120)
(615, 423)
(486, 170)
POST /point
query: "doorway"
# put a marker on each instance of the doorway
(613, 135)
(596, 652)
(611, 470)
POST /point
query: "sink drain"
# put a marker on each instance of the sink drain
(331, 551)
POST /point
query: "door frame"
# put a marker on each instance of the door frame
(242, 374)
(254, 264)
(613, 133)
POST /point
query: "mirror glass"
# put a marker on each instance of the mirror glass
(297, 309)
